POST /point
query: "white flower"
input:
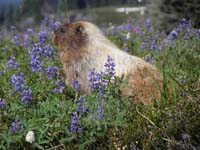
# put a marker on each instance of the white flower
(30, 137)
(128, 36)
(142, 12)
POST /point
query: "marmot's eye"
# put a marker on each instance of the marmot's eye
(79, 29)
(63, 30)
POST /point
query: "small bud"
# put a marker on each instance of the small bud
(30, 137)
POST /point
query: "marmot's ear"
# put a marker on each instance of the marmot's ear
(80, 29)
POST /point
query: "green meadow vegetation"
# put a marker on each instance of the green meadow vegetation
(34, 97)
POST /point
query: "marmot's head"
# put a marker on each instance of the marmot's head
(75, 35)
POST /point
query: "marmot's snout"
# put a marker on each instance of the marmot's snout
(59, 34)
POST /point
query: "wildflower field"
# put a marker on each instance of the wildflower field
(38, 111)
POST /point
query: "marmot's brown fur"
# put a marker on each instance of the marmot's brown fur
(84, 47)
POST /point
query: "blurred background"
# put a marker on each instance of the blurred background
(163, 13)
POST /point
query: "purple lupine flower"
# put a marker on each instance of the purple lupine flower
(61, 86)
(2, 103)
(148, 39)
(36, 49)
(48, 50)
(148, 25)
(16, 39)
(74, 125)
(183, 24)
(76, 85)
(16, 126)
(35, 53)
(188, 34)
(172, 36)
(12, 64)
(100, 112)
(52, 72)
(125, 48)
(45, 21)
(141, 33)
(36, 64)
(96, 81)
(143, 45)
(12, 28)
(26, 96)
(85, 108)
(27, 40)
(124, 39)
(80, 101)
(153, 45)
(50, 24)
(29, 31)
(163, 34)
(93, 78)
(101, 95)
(110, 67)
(122, 27)
(155, 37)
(164, 42)
(55, 25)
(132, 146)
(17, 82)
(126, 27)
(42, 36)
(159, 47)
(114, 31)
(129, 26)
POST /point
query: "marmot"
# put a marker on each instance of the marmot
(84, 47)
